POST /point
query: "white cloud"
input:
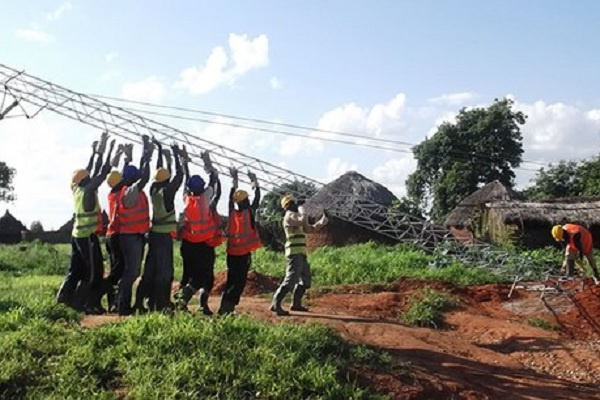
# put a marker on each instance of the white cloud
(454, 99)
(110, 57)
(59, 12)
(275, 83)
(393, 173)
(35, 35)
(337, 167)
(559, 131)
(221, 68)
(445, 117)
(150, 89)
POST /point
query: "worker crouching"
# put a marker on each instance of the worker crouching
(577, 242)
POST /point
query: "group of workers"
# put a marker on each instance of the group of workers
(134, 221)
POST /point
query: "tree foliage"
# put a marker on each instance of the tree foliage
(7, 175)
(566, 179)
(483, 145)
(36, 227)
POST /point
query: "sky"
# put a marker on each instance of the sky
(385, 69)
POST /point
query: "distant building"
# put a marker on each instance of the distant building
(10, 229)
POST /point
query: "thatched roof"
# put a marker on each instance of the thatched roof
(9, 225)
(548, 212)
(463, 212)
(355, 188)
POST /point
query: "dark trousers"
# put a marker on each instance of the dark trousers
(237, 273)
(158, 272)
(82, 287)
(132, 247)
(199, 262)
(117, 263)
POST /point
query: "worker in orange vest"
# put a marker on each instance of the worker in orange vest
(158, 269)
(199, 228)
(83, 286)
(134, 222)
(577, 241)
(113, 248)
(242, 240)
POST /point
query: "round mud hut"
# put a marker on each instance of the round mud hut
(346, 197)
(10, 229)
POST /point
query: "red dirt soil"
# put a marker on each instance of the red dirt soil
(486, 350)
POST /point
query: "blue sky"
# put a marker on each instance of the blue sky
(390, 69)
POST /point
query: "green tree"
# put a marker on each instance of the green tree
(556, 181)
(566, 179)
(406, 205)
(484, 144)
(301, 190)
(7, 175)
(36, 227)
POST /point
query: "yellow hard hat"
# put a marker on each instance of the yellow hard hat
(240, 195)
(161, 175)
(78, 176)
(557, 232)
(113, 178)
(286, 200)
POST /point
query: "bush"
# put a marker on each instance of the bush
(542, 324)
(427, 308)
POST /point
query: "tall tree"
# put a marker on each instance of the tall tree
(36, 227)
(7, 175)
(483, 145)
(566, 179)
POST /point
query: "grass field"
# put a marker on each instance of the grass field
(44, 353)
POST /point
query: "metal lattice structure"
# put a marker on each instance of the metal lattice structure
(26, 95)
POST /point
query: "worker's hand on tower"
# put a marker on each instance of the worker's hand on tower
(103, 142)
(234, 175)
(112, 145)
(117, 157)
(128, 149)
(208, 165)
(253, 179)
(95, 146)
(183, 153)
(156, 143)
(167, 154)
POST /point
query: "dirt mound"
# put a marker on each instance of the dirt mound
(256, 283)
(583, 320)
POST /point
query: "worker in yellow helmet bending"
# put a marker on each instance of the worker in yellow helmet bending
(297, 274)
(83, 286)
(577, 241)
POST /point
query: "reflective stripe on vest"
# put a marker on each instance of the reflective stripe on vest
(135, 219)
(198, 226)
(86, 222)
(163, 221)
(241, 238)
(219, 236)
(113, 220)
(295, 240)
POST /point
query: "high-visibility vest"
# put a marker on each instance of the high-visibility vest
(241, 238)
(198, 225)
(113, 220)
(295, 240)
(135, 219)
(86, 222)
(219, 236)
(587, 241)
(163, 221)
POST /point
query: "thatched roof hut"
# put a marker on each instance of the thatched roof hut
(342, 197)
(10, 229)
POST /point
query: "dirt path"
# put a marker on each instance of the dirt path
(485, 351)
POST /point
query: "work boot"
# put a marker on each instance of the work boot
(299, 291)
(226, 306)
(204, 303)
(93, 304)
(183, 296)
(112, 296)
(276, 304)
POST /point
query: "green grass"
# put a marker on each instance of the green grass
(427, 309)
(542, 324)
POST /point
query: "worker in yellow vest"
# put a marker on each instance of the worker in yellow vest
(158, 269)
(83, 286)
(297, 274)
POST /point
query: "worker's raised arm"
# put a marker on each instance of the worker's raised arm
(175, 184)
(215, 183)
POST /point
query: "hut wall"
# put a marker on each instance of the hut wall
(10, 238)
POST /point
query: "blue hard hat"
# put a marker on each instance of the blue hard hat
(131, 173)
(195, 184)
